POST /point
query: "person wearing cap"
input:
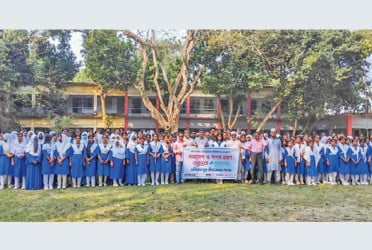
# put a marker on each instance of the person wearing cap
(273, 156)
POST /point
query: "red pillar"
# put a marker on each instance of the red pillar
(157, 104)
(278, 125)
(188, 105)
(349, 125)
(249, 111)
(126, 108)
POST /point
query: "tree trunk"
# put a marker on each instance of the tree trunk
(305, 127)
(222, 117)
(232, 124)
(103, 107)
(294, 128)
(268, 115)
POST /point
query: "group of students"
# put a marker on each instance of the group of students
(30, 160)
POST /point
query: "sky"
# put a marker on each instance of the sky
(76, 45)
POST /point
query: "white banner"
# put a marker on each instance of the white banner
(210, 163)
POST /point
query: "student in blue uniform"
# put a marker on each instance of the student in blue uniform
(310, 163)
(33, 164)
(63, 154)
(363, 163)
(300, 166)
(245, 158)
(117, 159)
(344, 158)
(131, 167)
(48, 163)
(77, 161)
(91, 161)
(155, 161)
(103, 170)
(18, 149)
(282, 165)
(332, 161)
(142, 160)
(355, 158)
(219, 143)
(5, 156)
(290, 162)
(166, 160)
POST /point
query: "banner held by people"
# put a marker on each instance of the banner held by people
(210, 163)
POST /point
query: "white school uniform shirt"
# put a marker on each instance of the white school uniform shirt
(201, 142)
(308, 153)
(141, 150)
(355, 151)
(105, 148)
(343, 148)
(18, 149)
(77, 150)
(317, 148)
(363, 150)
(299, 149)
(216, 145)
(155, 147)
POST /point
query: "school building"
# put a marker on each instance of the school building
(126, 109)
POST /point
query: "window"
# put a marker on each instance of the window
(209, 106)
(195, 106)
(136, 105)
(82, 104)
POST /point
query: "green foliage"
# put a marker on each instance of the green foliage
(82, 76)
(109, 59)
(60, 122)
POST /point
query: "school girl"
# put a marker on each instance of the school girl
(63, 154)
(363, 163)
(332, 161)
(142, 160)
(91, 161)
(310, 163)
(77, 161)
(355, 158)
(300, 166)
(48, 163)
(344, 158)
(219, 143)
(18, 150)
(165, 160)
(155, 154)
(290, 162)
(33, 164)
(103, 170)
(117, 158)
(131, 167)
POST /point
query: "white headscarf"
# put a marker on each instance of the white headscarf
(132, 143)
(64, 145)
(41, 141)
(117, 151)
(29, 134)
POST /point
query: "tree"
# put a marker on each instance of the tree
(232, 69)
(33, 58)
(172, 70)
(110, 63)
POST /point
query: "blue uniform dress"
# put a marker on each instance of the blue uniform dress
(290, 159)
(311, 170)
(91, 152)
(300, 170)
(363, 164)
(332, 156)
(19, 168)
(355, 156)
(46, 167)
(321, 168)
(64, 168)
(77, 157)
(33, 173)
(166, 158)
(103, 169)
(283, 169)
(4, 160)
(343, 153)
(142, 151)
(117, 155)
(131, 168)
(154, 148)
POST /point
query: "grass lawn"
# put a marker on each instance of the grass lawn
(190, 202)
